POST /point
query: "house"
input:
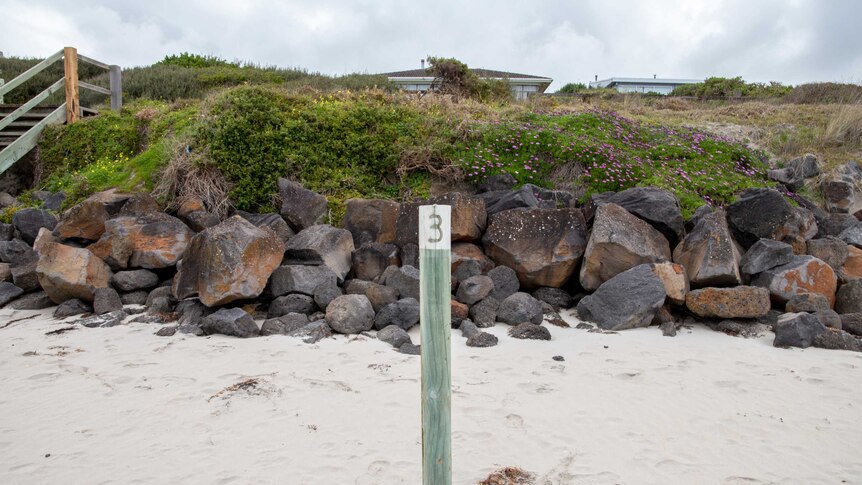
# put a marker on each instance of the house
(642, 84)
(523, 85)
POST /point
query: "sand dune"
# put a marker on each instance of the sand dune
(120, 405)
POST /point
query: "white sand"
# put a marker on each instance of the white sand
(120, 405)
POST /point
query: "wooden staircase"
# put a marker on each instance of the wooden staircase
(22, 125)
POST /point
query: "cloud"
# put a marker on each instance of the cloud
(797, 41)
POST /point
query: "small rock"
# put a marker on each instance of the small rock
(134, 298)
(468, 329)
(530, 331)
(167, 331)
(111, 319)
(410, 349)
(459, 312)
(32, 301)
(293, 303)
(520, 308)
(474, 289)
(106, 300)
(849, 297)
(559, 358)
(71, 308)
(284, 324)
(230, 321)
(9, 292)
(406, 280)
(833, 339)
(403, 313)
(484, 313)
(350, 314)
(797, 330)
(313, 332)
(852, 322)
(483, 339)
(394, 336)
(806, 302)
(555, 297)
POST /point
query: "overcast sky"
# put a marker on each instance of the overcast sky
(792, 41)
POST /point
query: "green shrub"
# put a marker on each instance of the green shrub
(722, 87)
(572, 88)
(825, 93)
(186, 59)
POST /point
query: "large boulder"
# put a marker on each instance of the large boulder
(804, 274)
(738, 302)
(464, 252)
(502, 200)
(543, 246)
(394, 336)
(150, 241)
(852, 267)
(371, 220)
(849, 298)
(709, 254)
(406, 280)
(29, 221)
(139, 279)
(628, 300)
(765, 254)
(322, 245)
(228, 262)
(404, 313)
(505, 282)
(797, 330)
(520, 308)
(765, 214)
(83, 221)
(300, 207)
(831, 250)
(797, 170)
(350, 314)
(271, 220)
(230, 321)
(619, 242)
(674, 279)
(9, 292)
(297, 278)
(468, 218)
(474, 289)
(659, 207)
(372, 259)
(65, 272)
(852, 235)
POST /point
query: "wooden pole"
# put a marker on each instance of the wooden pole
(435, 328)
(115, 75)
(70, 70)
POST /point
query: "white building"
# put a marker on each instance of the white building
(642, 84)
(522, 85)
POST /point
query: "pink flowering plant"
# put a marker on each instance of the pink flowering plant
(612, 153)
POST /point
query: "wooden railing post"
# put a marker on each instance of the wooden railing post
(115, 75)
(70, 69)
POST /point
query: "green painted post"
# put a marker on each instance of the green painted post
(435, 328)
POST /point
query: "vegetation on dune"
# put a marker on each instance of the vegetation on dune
(228, 146)
(722, 87)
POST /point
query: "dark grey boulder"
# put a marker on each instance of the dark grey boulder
(7, 232)
(765, 214)
(230, 321)
(829, 318)
(833, 339)
(410, 349)
(835, 224)
(501, 200)
(797, 170)
(161, 300)
(468, 328)
(484, 339)
(300, 279)
(556, 297)
(658, 207)
(9, 292)
(16, 252)
(29, 221)
(134, 298)
(71, 308)
(300, 207)
(394, 336)
(106, 320)
(200, 220)
(139, 279)
(831, 250)
(765, 254)
(324, 294)
(410, 255)
(403, 313)
(520, 308)
(484, 313)
(292, 303)
(371, 260)
(530, 331)
(167, 331)
(32, 301)
(380, 295)
(506, 282)
(406, 280)
(321, 245)
(628, 300)
(270, 220)
(806, 302)
(25, 276)
(190, 314)
(106, 300)
(371, 220)
(467, 269)
(359, 287)
(474, 289)
(849, 297)
(852, 235)
(312, 332)
(852, 323)
(350, 314)
(284, 324)
(709, 254)
(797, 330)
(502, 181)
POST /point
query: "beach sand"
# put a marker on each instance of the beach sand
(121, 405)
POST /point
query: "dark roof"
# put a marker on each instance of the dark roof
(479, 72)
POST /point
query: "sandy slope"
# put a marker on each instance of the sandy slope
(120, 405)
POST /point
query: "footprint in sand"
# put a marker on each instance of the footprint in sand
(514, 421)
